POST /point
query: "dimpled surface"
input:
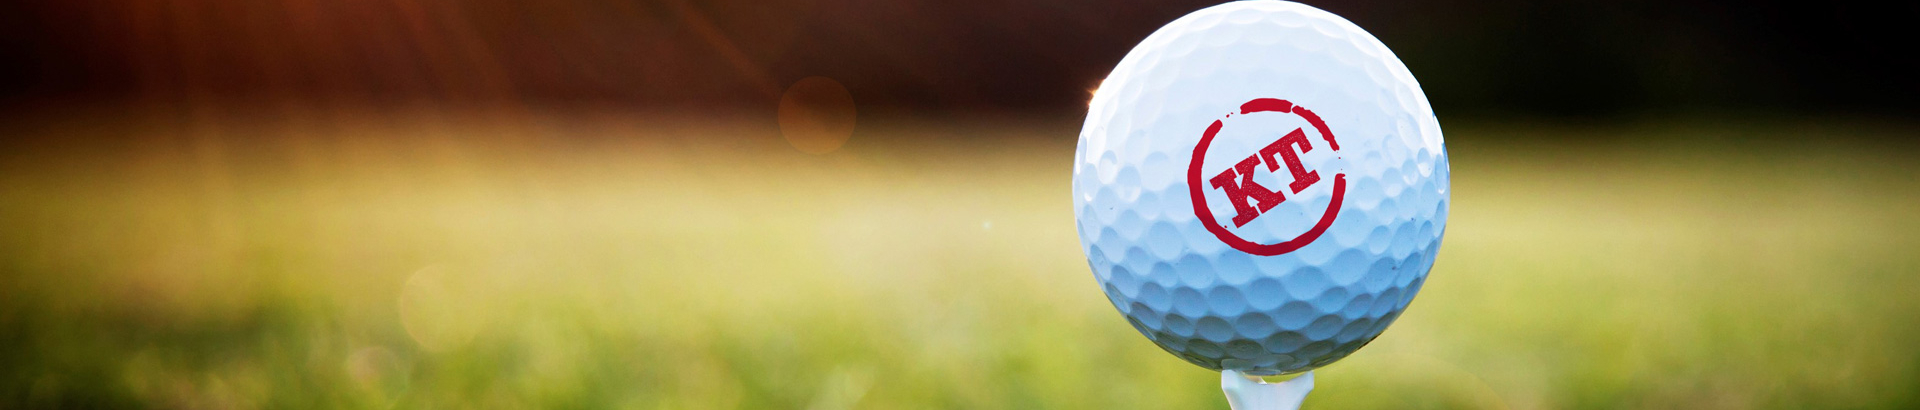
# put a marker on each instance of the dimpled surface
(1184, 287)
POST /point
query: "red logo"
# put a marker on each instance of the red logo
(1250, 200)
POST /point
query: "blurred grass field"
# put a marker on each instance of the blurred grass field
(419, 258)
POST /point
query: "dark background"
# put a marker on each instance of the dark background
(1501, 58)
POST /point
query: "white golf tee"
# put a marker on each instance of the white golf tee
(1246, 393)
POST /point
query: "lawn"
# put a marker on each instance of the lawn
(292, 257)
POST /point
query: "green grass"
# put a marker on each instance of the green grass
(517, 259)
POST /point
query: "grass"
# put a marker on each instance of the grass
(525, 258)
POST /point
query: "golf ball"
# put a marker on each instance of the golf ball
(1260, 186)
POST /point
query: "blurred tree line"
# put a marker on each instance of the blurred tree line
(1478, 58)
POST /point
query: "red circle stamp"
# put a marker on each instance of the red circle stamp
(1250, 200)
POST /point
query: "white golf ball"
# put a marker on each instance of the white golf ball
(1260, 186)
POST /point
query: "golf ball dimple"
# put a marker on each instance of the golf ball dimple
(1260, 186)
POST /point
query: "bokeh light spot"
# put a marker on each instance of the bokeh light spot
(817, 115)
(379, 373)
(437, 308)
